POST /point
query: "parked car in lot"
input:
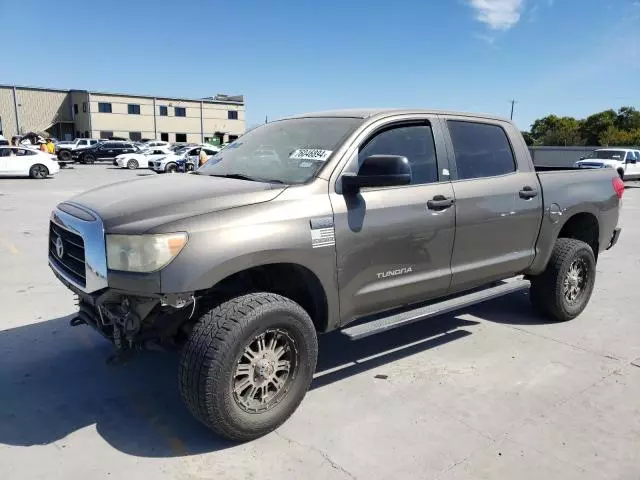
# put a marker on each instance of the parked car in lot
(373, 220)
(65, 149)
(107, 150)
(154, 143)
(142, 158)
(625, 161)
(26, 162)
(184, 159)
(190, 161)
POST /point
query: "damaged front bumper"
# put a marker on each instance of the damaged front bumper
(123, 307)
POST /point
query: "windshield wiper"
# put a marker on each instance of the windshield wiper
(237, 176)
(240, 176)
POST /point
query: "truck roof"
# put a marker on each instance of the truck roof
(384, 112)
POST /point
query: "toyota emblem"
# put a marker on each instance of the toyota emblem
(59, 247)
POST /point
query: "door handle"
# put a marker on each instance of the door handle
(528, 192)
(440, 202)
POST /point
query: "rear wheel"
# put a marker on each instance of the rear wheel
(248, 365)
(132, 164)
(563, 290)
(172, 168)
(39, 171)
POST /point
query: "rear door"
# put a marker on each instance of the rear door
(394, 250)
(632, 170)
(498, 201)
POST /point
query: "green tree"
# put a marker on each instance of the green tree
(556, 131)
(614, 137)
(628, 118)
(528, 138)
(596, 125)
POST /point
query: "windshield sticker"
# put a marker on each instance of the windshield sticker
(310, 154)
(305, 164)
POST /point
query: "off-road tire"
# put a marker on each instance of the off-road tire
(217, 342)
(132, 164)
(38, 171)
(171, 168)
(547, 289)
(64, 155)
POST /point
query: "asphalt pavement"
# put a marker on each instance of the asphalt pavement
(492, 392)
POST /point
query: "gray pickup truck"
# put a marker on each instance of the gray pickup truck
(359, 220)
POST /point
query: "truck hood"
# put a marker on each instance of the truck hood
(602, 162)
(135, 206)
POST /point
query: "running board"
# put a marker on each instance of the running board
(422, 313)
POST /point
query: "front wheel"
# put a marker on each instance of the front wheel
(39, 171)
(563, 290)
(132, 164)
(248, 364)
(172, 168)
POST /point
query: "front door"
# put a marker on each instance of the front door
(498, 203)
(394, 250)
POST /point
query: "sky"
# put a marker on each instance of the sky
(566, 57)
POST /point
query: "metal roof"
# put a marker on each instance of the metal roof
(218, 99)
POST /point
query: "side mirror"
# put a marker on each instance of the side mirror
(378, 171)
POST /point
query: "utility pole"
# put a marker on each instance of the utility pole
(513, 102)
(266, 119)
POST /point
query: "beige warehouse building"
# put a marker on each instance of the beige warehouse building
(68, 114)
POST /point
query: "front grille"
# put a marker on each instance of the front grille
(72, 260)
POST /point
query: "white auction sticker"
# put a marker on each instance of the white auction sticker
(310, 154)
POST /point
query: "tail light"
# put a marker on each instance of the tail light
(618, 186)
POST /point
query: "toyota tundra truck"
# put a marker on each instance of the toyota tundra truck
(362, 221)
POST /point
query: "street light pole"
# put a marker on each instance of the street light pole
(513, 102)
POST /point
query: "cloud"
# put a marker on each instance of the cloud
(498, 14)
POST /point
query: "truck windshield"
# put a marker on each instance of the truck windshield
(287, 151)
(608, 154)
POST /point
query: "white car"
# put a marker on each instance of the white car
(141, 159)
(154, 143)
(625, 161)
(26, 162)
(170, 163)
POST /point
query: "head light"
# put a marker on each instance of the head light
(143, 253)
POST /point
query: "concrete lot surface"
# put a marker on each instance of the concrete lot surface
(490, 393)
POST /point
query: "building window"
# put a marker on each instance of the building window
(75, 108)
(164, 137)
(102, 108)
(180, 112)
(86, 134)
(232, 114)
(78, 134)
(135, 136)
(84, 107)
(164, 111)
(105, 134)
(181, 137)
(133, 109)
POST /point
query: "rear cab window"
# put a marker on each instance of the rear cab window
(481, 149)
